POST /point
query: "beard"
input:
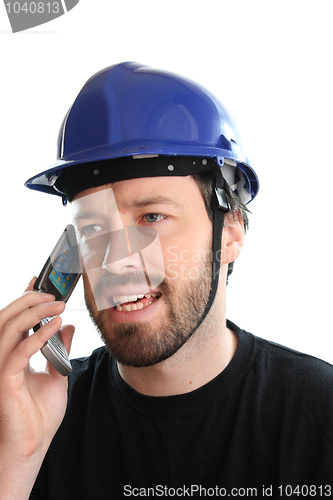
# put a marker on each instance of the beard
(142, 344)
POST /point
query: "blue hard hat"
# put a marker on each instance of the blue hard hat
(135, 112)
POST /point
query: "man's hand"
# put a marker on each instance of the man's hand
(32, 405)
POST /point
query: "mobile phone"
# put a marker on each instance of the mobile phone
(59, 276)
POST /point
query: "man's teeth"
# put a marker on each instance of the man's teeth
(122, 301)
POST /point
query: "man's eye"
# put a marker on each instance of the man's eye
(151, 218)
(90, 230)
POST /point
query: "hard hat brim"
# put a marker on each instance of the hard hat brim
(46, 180)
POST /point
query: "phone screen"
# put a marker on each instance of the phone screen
(63, 271)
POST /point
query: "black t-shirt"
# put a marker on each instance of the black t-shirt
(261, 428)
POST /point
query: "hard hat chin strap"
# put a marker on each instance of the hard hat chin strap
(220, 206)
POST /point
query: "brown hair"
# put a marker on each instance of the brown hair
(205, 182)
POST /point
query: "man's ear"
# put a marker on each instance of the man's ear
(233, 236)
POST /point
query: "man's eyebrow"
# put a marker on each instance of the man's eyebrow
(153, 200)
(136, 203)
(84, 214)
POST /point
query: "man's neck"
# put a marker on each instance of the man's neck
(202, 358)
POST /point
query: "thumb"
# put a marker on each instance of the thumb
(67, 333)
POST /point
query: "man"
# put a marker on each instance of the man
(180, 402)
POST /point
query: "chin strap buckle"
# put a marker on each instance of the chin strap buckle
(220, 200)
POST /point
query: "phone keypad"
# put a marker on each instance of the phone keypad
(55, 341)
(55, 348)
(58, 346)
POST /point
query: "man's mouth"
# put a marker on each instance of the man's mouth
(128, 303)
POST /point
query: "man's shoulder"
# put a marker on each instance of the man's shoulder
(88, 369)
(291, 372)
(286, 367)
(95, 358)
(292, 360)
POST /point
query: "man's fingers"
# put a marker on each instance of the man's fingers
(13, 332)
(20, 358)
(30, 287)
(28, 300)
(16, 346)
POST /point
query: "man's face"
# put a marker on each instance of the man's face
(146, 252)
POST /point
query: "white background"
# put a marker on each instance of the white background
(271, 65)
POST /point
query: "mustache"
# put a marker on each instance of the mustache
(109, 281)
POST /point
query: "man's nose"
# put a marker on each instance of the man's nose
(121, 254)
(131, 263)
